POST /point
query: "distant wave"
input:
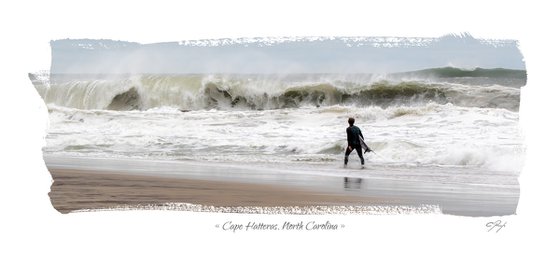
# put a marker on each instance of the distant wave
(196, 92)
(514, 77)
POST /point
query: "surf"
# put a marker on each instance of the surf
(265, 92)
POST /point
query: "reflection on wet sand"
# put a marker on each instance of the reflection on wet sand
(352, 183)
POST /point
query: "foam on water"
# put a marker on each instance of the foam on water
(263, 92)
(428, 135)
(295, 119)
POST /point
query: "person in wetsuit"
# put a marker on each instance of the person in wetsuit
(353, 135)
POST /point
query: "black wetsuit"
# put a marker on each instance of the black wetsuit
(353, 135)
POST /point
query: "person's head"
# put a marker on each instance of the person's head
(351, 121)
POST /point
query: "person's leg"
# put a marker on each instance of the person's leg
(346, 154)
(359, 150)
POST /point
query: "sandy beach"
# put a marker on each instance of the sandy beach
(90, 184)
(80, 189)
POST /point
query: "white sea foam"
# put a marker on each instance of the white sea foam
(296, 119)
(262, 92)
(434, 134)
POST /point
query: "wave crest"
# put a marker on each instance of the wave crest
(195, 92)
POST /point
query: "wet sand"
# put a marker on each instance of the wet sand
(74, 190)
(98, 183)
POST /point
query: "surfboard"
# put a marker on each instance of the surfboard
(365, 147)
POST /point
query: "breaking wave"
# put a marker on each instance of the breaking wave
(196, 92)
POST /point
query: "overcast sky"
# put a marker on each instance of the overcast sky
(303, 55)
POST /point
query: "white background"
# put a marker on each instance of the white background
(29, 223)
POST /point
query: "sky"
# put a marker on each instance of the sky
(284, 55)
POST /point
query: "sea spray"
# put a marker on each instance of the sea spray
(266, 92)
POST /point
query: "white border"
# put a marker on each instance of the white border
(30, 223)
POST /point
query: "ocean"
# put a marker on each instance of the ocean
(437, 124)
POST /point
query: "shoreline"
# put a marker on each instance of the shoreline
(95, 184)
(74, 190)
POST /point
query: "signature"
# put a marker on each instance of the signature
(496, 225)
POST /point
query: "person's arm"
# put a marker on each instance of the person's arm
(361, 134)
(348, 134)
